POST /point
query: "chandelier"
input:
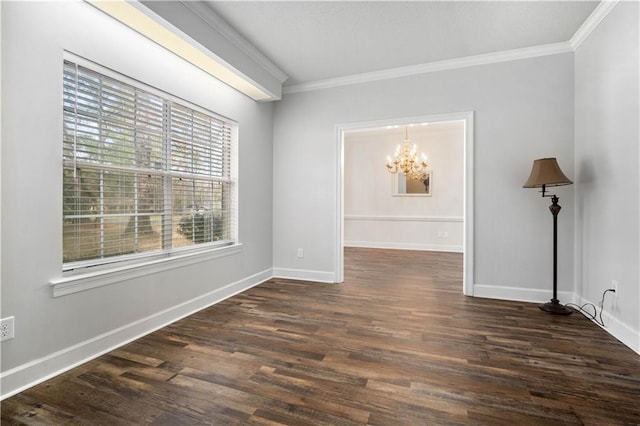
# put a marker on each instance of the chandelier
(405, 160)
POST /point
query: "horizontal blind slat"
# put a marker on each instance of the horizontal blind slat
(142, 174)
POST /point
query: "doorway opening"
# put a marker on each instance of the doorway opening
(362, 130)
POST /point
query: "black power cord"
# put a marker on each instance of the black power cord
(595, 310)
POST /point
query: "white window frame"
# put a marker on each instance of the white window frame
(81, 275)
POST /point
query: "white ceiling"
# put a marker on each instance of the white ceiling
(318, 40)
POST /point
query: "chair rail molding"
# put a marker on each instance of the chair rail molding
(376, 218)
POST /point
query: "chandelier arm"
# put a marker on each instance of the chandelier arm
(405, 160)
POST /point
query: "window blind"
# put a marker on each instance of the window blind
(143, 174)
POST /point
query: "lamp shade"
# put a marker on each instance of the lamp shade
(545, 171)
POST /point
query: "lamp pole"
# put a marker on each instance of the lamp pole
(554, 306)
(546, 172)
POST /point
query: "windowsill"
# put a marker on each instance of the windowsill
(85, 281)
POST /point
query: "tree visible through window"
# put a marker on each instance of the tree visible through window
(143, 174)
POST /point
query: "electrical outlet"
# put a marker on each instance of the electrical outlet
(6, 329)
(300, 253)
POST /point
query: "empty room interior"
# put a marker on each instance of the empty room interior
(314, 212)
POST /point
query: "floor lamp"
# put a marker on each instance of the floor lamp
(544, 173)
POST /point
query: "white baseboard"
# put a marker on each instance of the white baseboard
(31, 373)
(304, 275)
(519, 294)
(618, 329)
(404, 246)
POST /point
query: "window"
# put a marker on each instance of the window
(143, 174)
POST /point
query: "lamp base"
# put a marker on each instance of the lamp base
(555, 307)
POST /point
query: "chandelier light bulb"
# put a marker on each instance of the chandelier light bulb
(405, 160)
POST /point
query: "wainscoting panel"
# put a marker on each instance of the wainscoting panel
(404, 232)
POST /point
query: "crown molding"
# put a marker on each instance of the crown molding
(590, 24)
(449, 64)
(213, 20)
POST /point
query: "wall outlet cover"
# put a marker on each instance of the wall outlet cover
(6, 329)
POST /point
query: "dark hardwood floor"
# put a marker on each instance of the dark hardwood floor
(396, 344)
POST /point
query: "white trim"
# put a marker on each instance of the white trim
(80, 282)
(304, 275)
(468, 206)
(338, 225)
(1, 133)
(590, 24)
(532, 295)
(403, 121)
(404, 246)
(213, 20)
(445, 65)
(621, 331)
(598, 14)
(403, 218)
(467, 117)
(618, 329)
(33, 372)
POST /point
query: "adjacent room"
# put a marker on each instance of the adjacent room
(310, 212)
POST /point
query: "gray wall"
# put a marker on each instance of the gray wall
(523, 110)
(53, 333)
(607, 162)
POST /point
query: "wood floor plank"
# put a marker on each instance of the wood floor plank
(396, 344)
